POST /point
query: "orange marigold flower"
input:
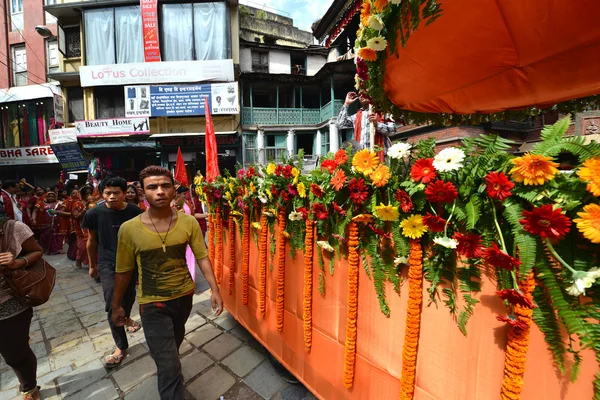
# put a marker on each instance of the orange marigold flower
(590, 173)
(381, 175)
(379, 5)
(589, 223)
(338, 180)
(365, 162)
(367, 54)
(533, 169)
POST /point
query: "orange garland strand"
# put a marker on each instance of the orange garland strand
(279, 306)
(262, 264)
(245, 257)
(231, 253)
(516, 348)
(352, 313)
(308, 283)
(219, 239)
(413, 320)
(211, 240)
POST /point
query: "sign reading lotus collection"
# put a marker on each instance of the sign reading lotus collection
(112, 127)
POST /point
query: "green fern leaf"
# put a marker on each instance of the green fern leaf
(473, 209)
(545, 318)
(466, 313)
(552, 134)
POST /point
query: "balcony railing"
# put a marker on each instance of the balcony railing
(261, 156)
(290, 116)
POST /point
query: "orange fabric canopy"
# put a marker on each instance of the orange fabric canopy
(488, 56)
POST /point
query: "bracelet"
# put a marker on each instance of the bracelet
(26, 261)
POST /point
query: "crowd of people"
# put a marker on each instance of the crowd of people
(144, 237)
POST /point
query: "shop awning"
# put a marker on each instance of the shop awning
(31, 92)
(490, 56)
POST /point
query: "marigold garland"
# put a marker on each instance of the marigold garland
(211, 240)
(308, 283)
(231, 253)
(279, 306)
(413, 320)
(352, 313)
(518, 343)
(245, 257)
(262, 263)
(219, 246)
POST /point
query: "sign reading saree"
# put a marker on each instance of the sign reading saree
(27, 155)
(150, 30)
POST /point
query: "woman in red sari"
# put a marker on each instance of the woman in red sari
(132, 197)
(78, 210)
(44, 220)
(66, 223)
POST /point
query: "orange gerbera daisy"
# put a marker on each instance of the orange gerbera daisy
(589, 223)
(590, 173)
(340, 157)
(365, 162)
(365, 13)
(378, 5)
(367, 54)
(533, 169)
(365, 218)
(380, 176)
(338, 179)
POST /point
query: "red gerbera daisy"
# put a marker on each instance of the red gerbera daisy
(278, 169)
(406, 204)
(515, 297)
(287, 171)
(330, 165)
(423, 170)
(498, 186)
(250, 172)
(497, 258)
(338, 209)
(285, 196)
(546, 222)
(320, 211)
(341, 157)
(303, 211)
(316, 190)
(274, 190)
(358, 191)
(512, 321)
(441, 192)
(469, 245)
(434, 223)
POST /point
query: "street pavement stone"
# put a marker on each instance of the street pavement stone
(70, 336)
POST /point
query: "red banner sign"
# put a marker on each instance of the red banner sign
(150, 30)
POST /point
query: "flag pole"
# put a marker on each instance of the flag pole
(371, 130)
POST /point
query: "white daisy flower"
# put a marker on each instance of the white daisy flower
(449, 159)
(446, 242)
(325, 245)
(377, 43)
(583, 280)
(375, 22)
(263, 199)
(399, 150)
(295, 216)
(400, 260)
(268, 214)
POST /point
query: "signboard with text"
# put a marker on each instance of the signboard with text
(181, 100)
(66, 135)
(27, 155)
(58, 109)
(112, 127)
(69, 156)
(156, 72)
(150, 30)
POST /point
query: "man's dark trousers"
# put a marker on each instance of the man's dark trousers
(107, 277)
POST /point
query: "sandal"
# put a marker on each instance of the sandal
(133, 328)
(111, 361)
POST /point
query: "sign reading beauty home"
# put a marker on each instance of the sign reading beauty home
(156, 72)
(27, 155)
(112, 127)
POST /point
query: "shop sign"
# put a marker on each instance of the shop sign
(150, 30)
(112, 127)
(181, 100)
(58, 109)
(66, 135)
(157, 72)
(69, 156)
(27, 155)
(193, 141)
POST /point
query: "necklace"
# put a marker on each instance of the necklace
(163, 240)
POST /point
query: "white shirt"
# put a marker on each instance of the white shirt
(386, 129)
(15, 205)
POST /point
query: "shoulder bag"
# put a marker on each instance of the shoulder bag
(31, 285)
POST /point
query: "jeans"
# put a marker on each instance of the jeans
(14, 347)
(164, 328)
(107, 277)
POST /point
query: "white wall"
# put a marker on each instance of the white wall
(333, 55)
(314, 64)
(245, 60)
(279, 62)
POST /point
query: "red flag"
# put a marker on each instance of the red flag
(180, 172)
(212, 161)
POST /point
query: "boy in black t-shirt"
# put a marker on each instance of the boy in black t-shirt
(103, 223)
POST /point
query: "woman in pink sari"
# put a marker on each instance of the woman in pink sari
(45, 221)
(183, 206)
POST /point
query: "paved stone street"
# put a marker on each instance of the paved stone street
(70, 336)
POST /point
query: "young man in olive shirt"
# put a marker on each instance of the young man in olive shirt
(156, 243)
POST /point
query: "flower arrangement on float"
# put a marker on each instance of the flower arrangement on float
(532, 221)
